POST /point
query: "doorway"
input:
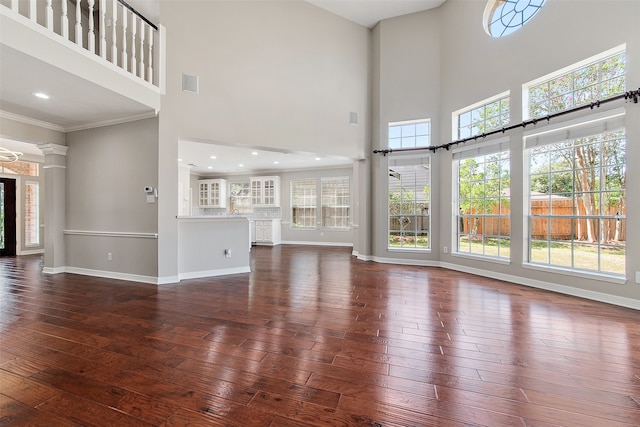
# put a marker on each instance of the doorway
(7, 217)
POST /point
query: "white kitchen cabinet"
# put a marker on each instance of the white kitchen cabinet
(265, 191)
(268, 232)
(212, 193)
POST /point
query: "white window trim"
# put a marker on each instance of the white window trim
(456, 114)
(479, 149)
(348, 226)
(38, 184)
(595, 58)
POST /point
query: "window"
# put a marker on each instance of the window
(303, 203)
(482, 196)
(32, 214)
(409, 202)
(335, 202)
(503, 17)
(411, 134)
(483, 117)
(20, 168)
(240, 196)
(577, 197)
(588, 82)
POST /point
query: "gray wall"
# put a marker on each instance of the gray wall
(107, 170)
(471, 66)
(278, 74)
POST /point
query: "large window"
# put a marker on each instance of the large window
(303, 203)
(482, 196)
(577, 198)
(503, 17)
(20, 168)
(335, 202)
(482, 117)
(32, 214)
(589, 81)
(410, 134)
(409, 202)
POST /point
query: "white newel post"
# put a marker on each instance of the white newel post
(78, 23)
(91, 42)
(49, 16)
(125, 57)
(114, 33)
(143, 30)
(150, 59)
(64, 21)
(102, 10)
(55, 163)
(134, 61)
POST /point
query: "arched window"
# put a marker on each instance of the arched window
(503, 17)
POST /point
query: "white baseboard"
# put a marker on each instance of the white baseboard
(554, 287)
(55, 270)
(112, 275)
(306, 243)
(213, 273)
(31, 252)
(419, 262)
(165, 280)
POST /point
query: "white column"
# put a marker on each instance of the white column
(91, 41)
(134, 61)
(33, 10)
(102, 10)
(143, 30)
(55, 162)
(49, 16)
(78, 23)
(114, 33)
(150, 59)
(125, 55)
(64, 21)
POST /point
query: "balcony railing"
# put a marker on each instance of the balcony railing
(110, 29)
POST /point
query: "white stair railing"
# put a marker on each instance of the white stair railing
(110, 29)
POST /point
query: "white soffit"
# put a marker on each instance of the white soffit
(369, 12)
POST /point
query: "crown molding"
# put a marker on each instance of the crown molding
(30, 121)
(53, 149)
(110, 122)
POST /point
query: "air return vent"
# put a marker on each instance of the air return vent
(189, 83)
(353, 118)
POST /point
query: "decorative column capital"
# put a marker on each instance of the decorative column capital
(53, 149)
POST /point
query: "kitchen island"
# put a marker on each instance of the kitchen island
(213, 245)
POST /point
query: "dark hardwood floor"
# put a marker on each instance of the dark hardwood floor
(313, 337)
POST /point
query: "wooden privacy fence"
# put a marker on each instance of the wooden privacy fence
(559, 229)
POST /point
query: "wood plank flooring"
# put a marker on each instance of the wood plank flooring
(312, 337)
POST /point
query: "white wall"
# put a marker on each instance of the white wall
(474, 66)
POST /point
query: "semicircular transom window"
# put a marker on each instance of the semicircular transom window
(503, 17)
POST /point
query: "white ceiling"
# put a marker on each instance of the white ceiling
(21, 76)
(369, 12)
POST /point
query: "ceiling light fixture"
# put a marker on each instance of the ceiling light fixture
(9, 156)
(213, 157)
(179, 160)
(276, 162)
(317, 158)
(41, 95)
(241, 165)
(254, 153)
(209, 167)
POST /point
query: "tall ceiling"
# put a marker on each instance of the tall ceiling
(70, 93)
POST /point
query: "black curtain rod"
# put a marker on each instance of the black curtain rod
(138, 14)
(633, 94)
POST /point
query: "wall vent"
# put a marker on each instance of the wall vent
(353, 118)
(189, 83)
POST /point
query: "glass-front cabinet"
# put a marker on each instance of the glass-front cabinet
(212, 193)
(265, 191)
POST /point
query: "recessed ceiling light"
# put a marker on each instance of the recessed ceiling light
(179, 160)
(213, 157)
(254, 153)
(241, 165)
(276, 162)
(317, 158)
(41, 95)
(209, 167)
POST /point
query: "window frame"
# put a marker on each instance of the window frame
(36, 218)
(409, 123)
(415, 160)
(311, 183)
(498, 146)
(595, 125)
(455, 116)
(340, 181)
